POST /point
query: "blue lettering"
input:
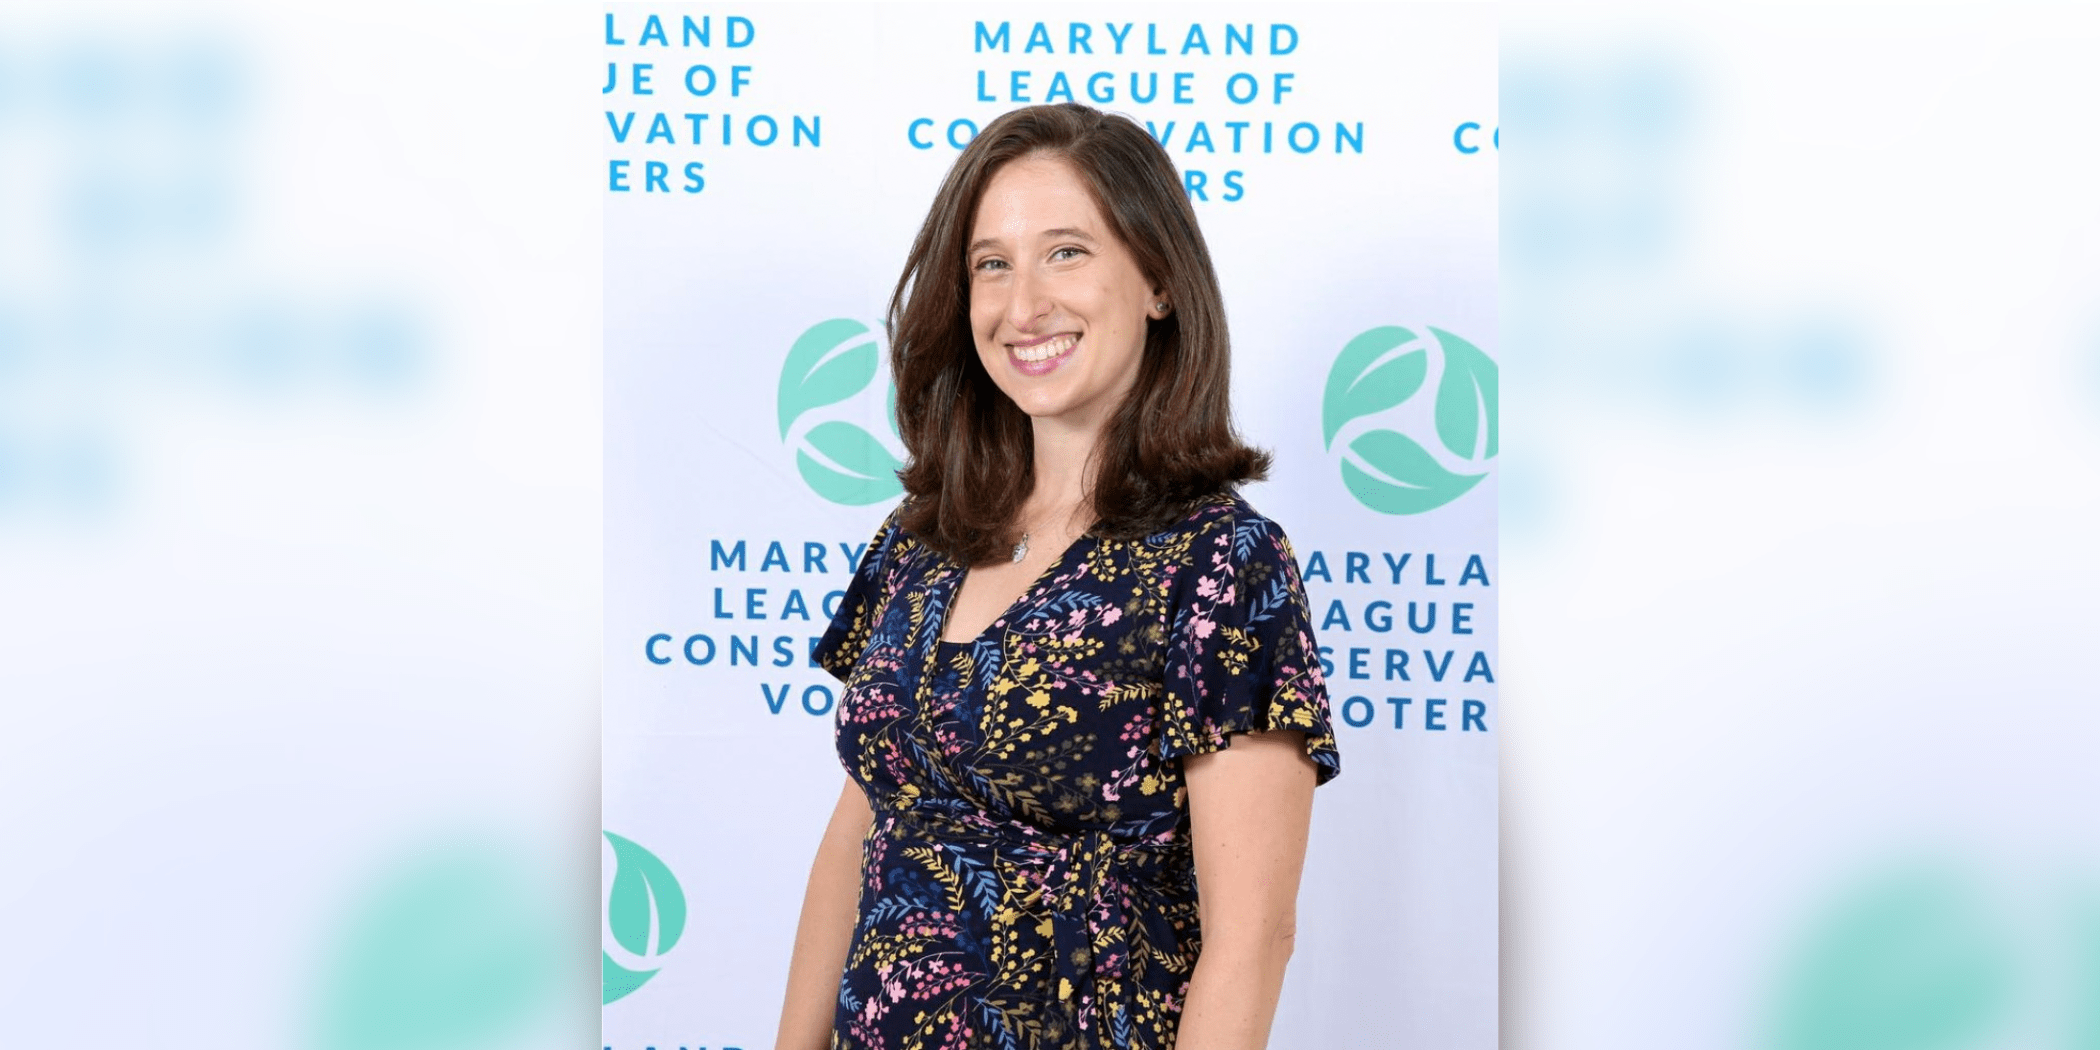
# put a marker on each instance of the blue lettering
(1461, 612)
(1378, 616)
(783, 651)
(1335, 615)
(1396, 566)
(1195, 41)
(699, 661)
(660, 128)
(653, 29)
(775, 555)
(1356, 663)
(1396, 665)
(1475, 570)
(656, 177)
(1429, 571)
(1192, 181)
(754, 603)
(1039, 37)
(1433, 714)
(1118, 37)
(1350, 708)
(1356, 567)
(737, 650)
(816, 690)
(1316, 567)
(1399, 710)
(1184, 86)
(774, 700)
(1436, 670)
(1234, 36)
(1233, 190)
(999, 41)
(649, 648)
(1473, 715)
(717, 556)
(1276, 34)
(736, 22)
(795, 606)
(911, 135)
(1060, 88)
(1478, 667)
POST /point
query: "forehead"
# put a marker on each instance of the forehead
(1032, 194)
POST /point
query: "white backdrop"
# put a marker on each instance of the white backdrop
(763, 177)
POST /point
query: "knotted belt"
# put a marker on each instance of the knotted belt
(1080, 883)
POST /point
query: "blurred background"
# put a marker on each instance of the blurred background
(299, 502)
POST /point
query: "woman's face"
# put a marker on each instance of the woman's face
(1057, 305)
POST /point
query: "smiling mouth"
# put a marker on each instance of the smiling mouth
(1047, 350)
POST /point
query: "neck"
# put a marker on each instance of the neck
(1063, 471)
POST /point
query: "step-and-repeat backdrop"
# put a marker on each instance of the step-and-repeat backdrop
(765, 170)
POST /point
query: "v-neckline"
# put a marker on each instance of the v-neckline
(940, 636)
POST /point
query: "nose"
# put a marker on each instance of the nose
(1028, 301)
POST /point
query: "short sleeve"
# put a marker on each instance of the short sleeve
(843, 642)
(1240, 654)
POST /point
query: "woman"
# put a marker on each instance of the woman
(1080, 674)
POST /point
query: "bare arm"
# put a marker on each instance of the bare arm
(1250, 807)
(829, 908)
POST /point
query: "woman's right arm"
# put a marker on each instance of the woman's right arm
(830, 906)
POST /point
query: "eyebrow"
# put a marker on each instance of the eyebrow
(1061, 231)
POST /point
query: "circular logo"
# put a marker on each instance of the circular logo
(835, 361)
(644, 914)
(1384, 369)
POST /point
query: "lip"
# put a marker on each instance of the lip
(1046, 365)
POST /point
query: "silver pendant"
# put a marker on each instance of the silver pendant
(1021, 549)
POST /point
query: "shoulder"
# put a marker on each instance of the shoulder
(1225, 529)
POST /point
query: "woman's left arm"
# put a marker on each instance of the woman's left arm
(1250, 806)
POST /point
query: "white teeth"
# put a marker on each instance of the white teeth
(1046, 350)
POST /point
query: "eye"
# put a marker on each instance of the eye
(987, 265)
(1067, 251)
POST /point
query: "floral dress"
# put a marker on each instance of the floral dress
(1028, 882)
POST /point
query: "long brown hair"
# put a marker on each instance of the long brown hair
(972, 451)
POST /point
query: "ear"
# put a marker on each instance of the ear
(1158, 306)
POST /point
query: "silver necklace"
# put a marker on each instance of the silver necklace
(1021, 549)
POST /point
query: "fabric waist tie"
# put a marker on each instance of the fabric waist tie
(1083, 880)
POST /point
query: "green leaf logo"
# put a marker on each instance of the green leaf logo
(839, 460)
(1356, 389)
(1465, 400)
(645, 913)
(1385, 469)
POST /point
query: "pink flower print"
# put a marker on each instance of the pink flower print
(1207, 587)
